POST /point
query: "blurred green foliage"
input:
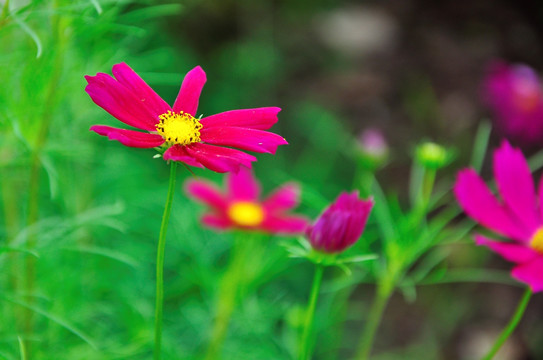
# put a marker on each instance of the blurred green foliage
(80, 215)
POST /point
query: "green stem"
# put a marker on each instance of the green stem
(306, 347)
(511, 326)
(375, 315)
(229, 287)
(160, 263)
(50, 98)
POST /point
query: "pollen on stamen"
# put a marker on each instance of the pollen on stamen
(537, 241)
(179, 128)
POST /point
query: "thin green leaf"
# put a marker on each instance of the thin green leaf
(30, 33)
(472, 275)
(55, 319)
(22, 348)
(480, 145)
(357, 259)
(112, 254)
(97, 6)
(12, 249)
(382, 213)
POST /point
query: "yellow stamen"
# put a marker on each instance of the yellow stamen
(537, 241)
(179, 128)
(246, 213)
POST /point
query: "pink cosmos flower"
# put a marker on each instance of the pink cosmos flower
(241, 207)
(176, 130)
(517, 216)
(341, 224)
(515, 96)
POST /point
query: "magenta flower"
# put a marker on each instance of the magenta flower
(515, 96)
(242, 208)
(176, 130)
(517, 216)
(341, 224)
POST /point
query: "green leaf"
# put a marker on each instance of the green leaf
(55, 319)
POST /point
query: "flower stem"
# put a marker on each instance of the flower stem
(306, 347)
(511, 326)
(228, 289)
(375, 315)
(160, 263)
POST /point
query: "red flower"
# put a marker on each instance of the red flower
(518, 215)
(515, 96)
(182, 136)
(341, 224)
(241, 207)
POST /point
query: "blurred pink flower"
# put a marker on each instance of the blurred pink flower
(515, 96)
(341, 224)
(372, 143)
(241, 207)
(182, 136)
(518, 215)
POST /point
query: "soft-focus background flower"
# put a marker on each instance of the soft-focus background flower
(413, 69)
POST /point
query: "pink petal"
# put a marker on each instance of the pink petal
(478, 202)
(284, 198)
(120, 102)
(259, 118)
(189, 94)
(530, 273)
(179, 153)
(516, 185)
(243, 185)
(287, 224)
(206, 193)
(216, 221)
(219, 159)
(128, 77)
(509, 251)
(129, 137)
(243, 138)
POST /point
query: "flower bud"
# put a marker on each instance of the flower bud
(431, 155)
(372, 148)
(341, 224)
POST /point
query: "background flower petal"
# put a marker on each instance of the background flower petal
(509, 251)
(129, 137)
(530, 273)
(291, 224)
(515, 184)
(219, 159)
(217, 221)
(478, 202)
(120, 102)
(258, 118)
(206, 192)
(128, 77)
(243, 138)
(284, 198)
(189, 93)
(243, 185)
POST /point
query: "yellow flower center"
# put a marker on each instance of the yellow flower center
(179, 128)
(537, 241)
(246, 213)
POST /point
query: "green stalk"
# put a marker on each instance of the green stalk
(427, 186)
(380, 301)
(160, 262)
(306, 348)
(511, 326)
(58, 25)
(228, 289)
